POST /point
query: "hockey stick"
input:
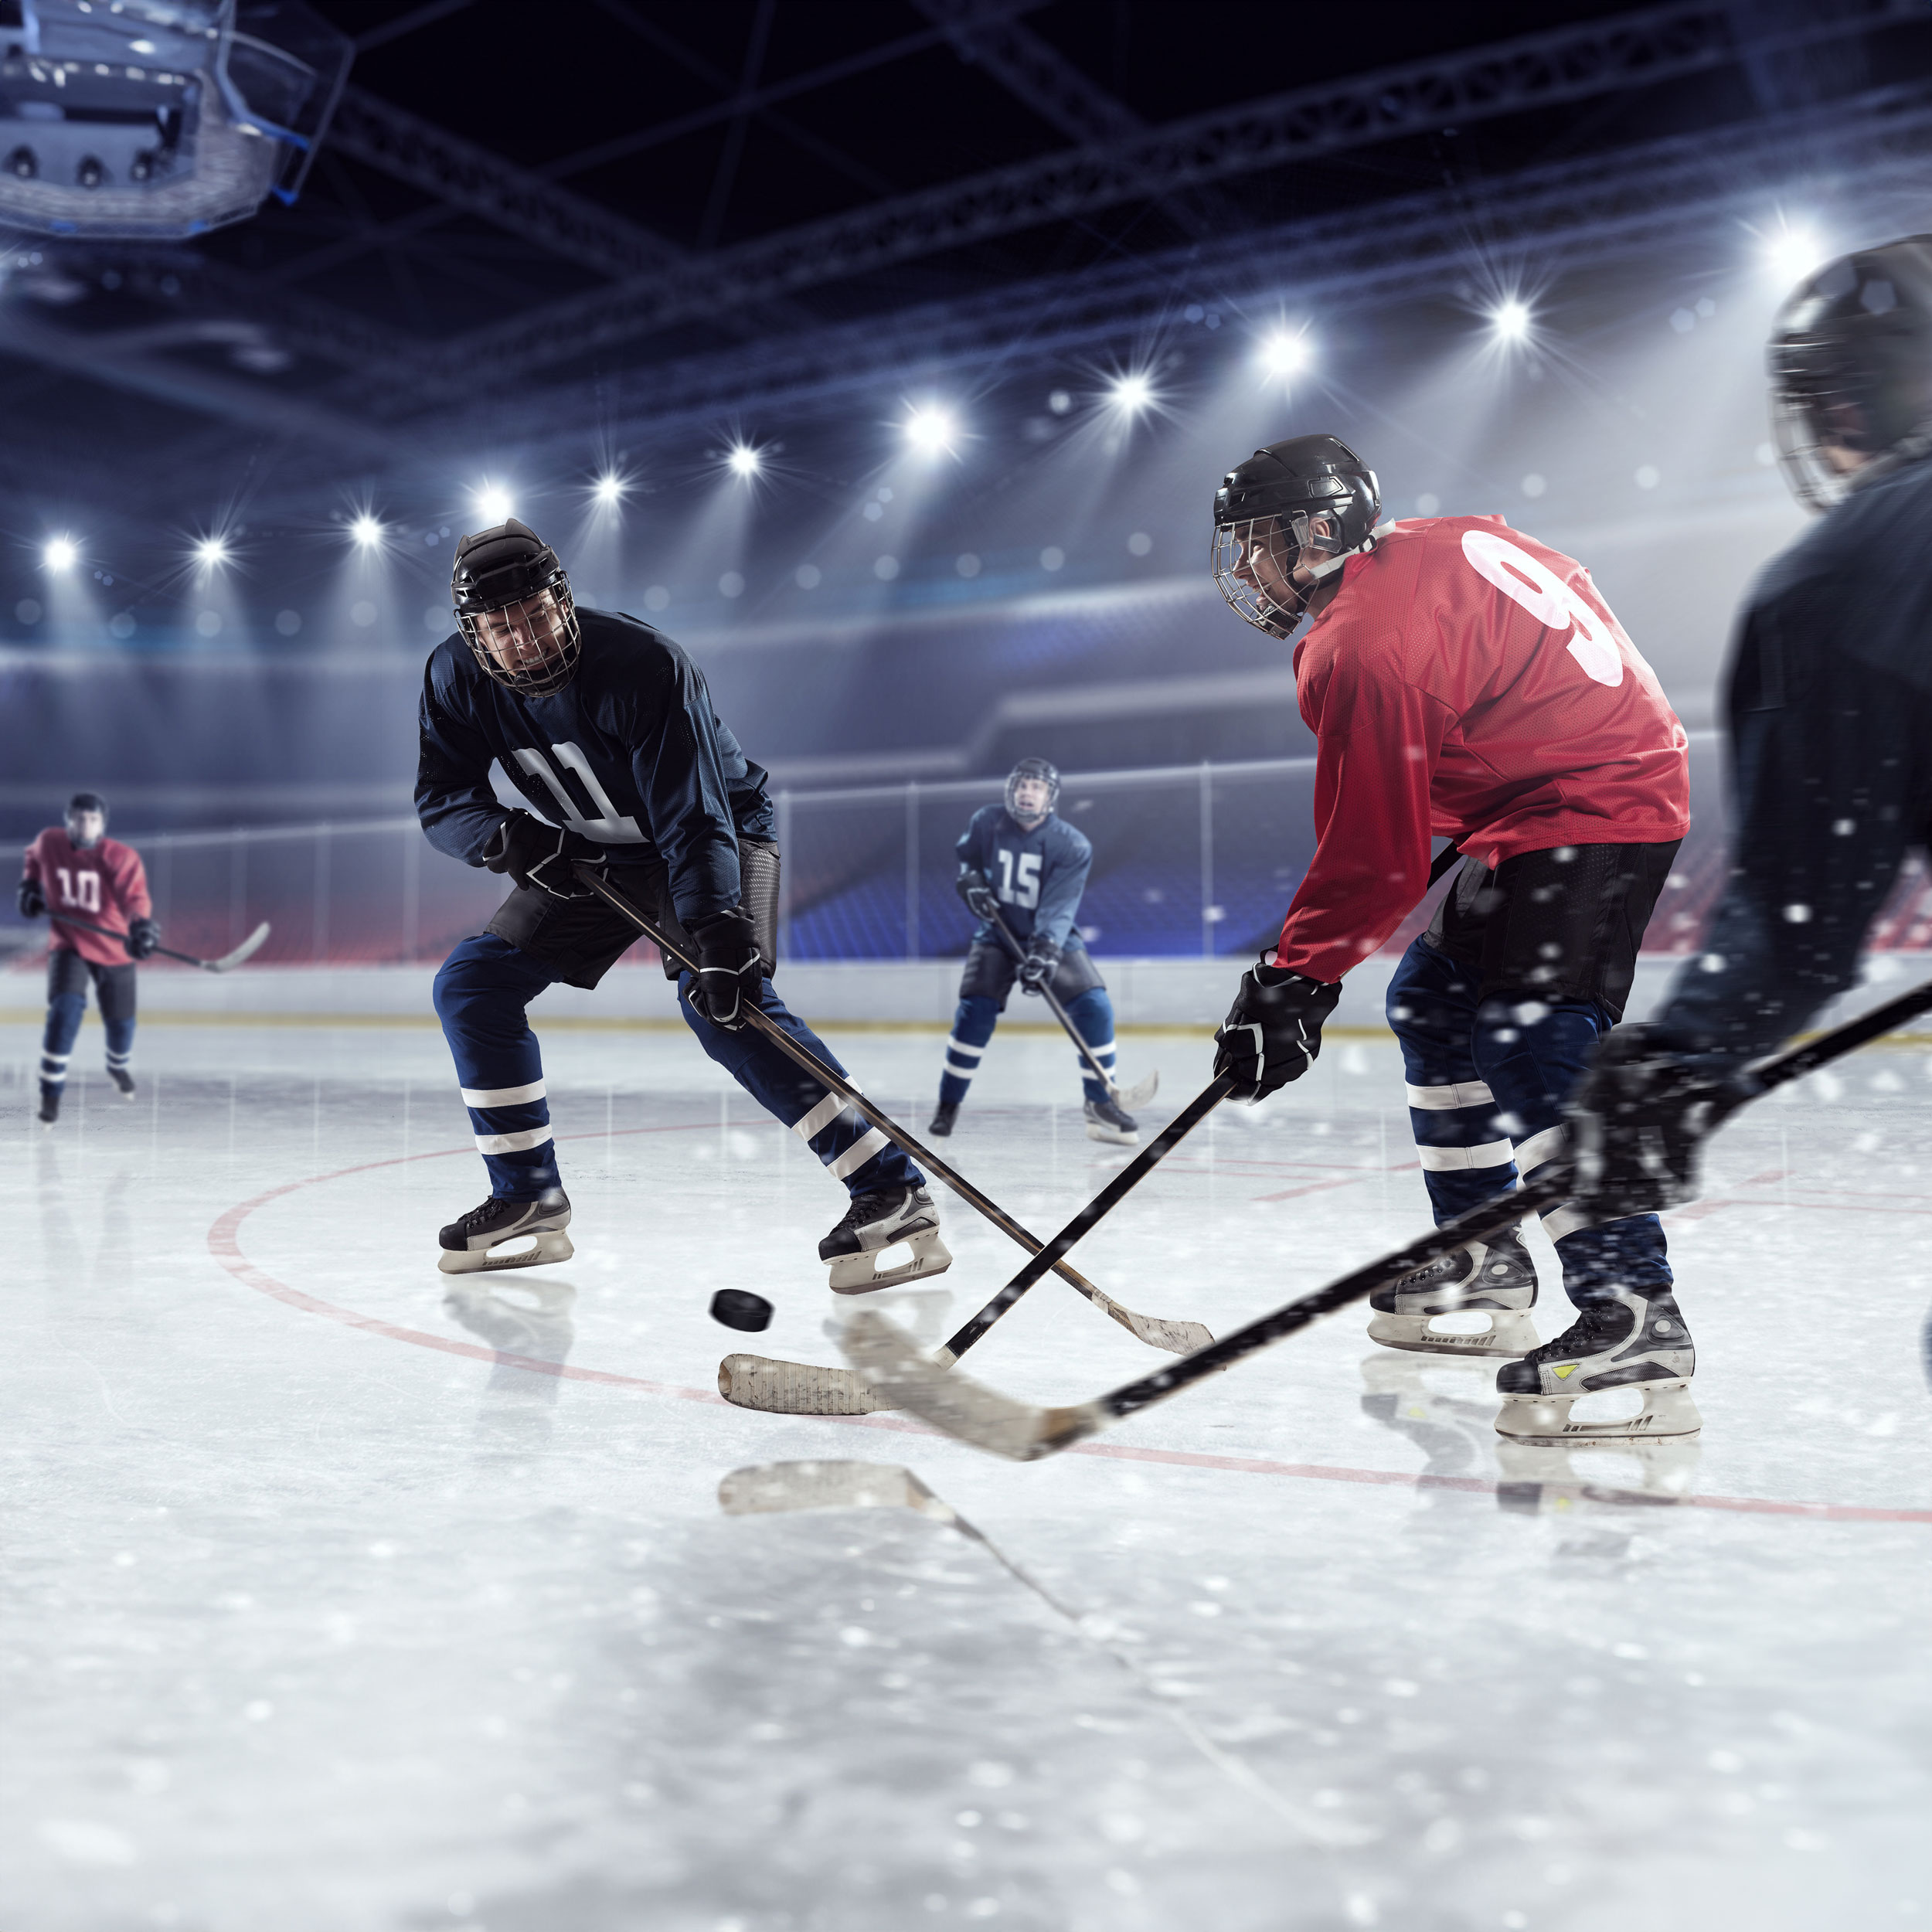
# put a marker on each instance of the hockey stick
(1155, 1333)
(804, 1389)
(246, 950)
(965, 1409)
(1129, 1099)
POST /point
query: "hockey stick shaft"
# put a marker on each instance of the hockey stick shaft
(1096, 1210)
(114, 932)
(1488, 1219)
(1059, 1012)
(834, 1083)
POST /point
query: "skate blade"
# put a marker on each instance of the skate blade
(861, 1274)
(1111, 1135)
(1668, 1413)
(552, 1244)
(1509, 1333)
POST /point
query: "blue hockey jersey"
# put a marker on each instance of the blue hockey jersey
(629, 752)
(1037, 876)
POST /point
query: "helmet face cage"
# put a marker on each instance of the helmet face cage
(1284, 538)
(1035, 768)
(548, 617)
(85, 802)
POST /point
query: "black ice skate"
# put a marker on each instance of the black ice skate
(469, 1245)
(1497, 1279)
(1106, 1122)
(122, 1079)
(49, 1104)
(1635, 1338)
(885, 1218)
(943, 1116)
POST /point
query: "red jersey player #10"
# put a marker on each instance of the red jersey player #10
(1464, 681)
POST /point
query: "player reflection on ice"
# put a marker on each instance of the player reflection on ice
(530, 1319)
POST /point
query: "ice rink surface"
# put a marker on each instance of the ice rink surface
(319, 1616)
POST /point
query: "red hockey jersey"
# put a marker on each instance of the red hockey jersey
(1468, 681)
(105, 885)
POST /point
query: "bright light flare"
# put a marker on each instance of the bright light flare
(1793, 251)
(931, 430)
(210, 552)
(1511, 320)
(366, 531)
(743, 460)
(609, 490)
(1129, 395)
(59, 553)
(493, 504)
(1284, 353)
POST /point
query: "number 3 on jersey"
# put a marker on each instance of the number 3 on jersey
(1025, 892)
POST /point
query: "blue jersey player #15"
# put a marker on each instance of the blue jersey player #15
(1021, 871)
(605, 727)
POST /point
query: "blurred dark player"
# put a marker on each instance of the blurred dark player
(1463, 680)
(75, 867)
(1021, 857)
(1828, 701)
(605, 725)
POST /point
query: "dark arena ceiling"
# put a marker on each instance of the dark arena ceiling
(613, 225)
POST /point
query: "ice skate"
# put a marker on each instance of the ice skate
(1635, 1338)
(1497, 1280)
(469, 1245)
(885, 1218)
(49, 1104)
(943, 1116)
(1106, 1122)
(122, 1079)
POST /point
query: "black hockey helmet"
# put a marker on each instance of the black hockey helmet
(509, 572)
(84, 801)
(1850, 359)
(1032, 768)
(1275, 499)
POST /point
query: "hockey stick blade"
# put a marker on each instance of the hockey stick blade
(1025, 1431)
(1131, 1100)
(776, 1488)
(795, 1388)
(247, 949)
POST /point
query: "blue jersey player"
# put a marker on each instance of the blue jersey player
(1031, 866)
(605, 726)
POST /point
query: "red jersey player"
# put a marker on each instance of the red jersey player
(76, 868)
(1463, 680)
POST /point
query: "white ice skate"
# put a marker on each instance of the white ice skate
(1106, 1121)
(472, 1244)
(1497, 1279)
(1634, 1339)
(886, 1218)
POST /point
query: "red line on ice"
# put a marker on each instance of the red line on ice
(224, 1244)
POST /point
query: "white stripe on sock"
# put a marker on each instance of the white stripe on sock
(503, 1096)
(512, 1143)
(1446, 1100)
(855, 1156)
(1540, 1148)
(54, 1059)
(1564, 1219)
(1449, 1160)
(820, 1117)
(958, 1072)
(955, 1045)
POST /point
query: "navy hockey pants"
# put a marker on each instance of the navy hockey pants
(67, 977)
(1484, 1074)
(481, 992)
(973, 1023)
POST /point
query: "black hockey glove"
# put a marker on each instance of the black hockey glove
(32, 901)
(1638, 1120)
(1272, 1030)
(728, 969)
(143, 935)
(1037, 969)
(540, 857)
(976, 888)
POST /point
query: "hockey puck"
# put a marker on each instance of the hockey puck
(739, 1308)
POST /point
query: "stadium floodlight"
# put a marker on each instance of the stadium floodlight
(158, 119)
(1284, 353)
(493, 504)
(609, 489)
(743, 460)
(1792, 251)
(1128, 395)
(59, 554)
(366, 531)
(210, 552)
(1511, 320)
(930, 429)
